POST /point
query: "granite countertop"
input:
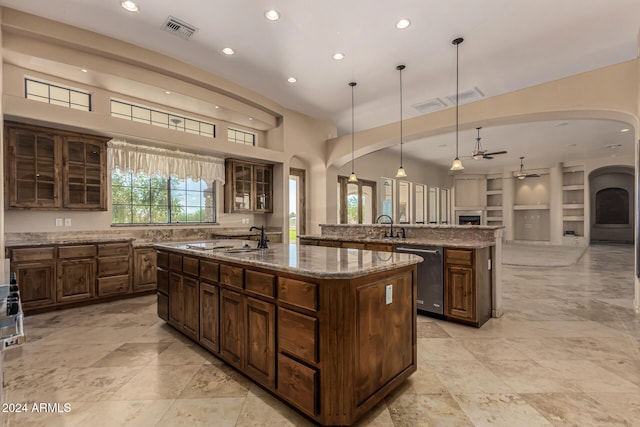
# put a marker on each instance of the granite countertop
(467, 244)
(419, 226)
(312, 261)
(69, 241)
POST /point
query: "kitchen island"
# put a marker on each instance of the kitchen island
(331, 331)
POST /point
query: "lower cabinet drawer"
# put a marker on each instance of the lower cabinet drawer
(298, 335)
(298, 293)
(163, 307)
(232, 276)
(113, 266)
(260, 283)
(298, 384)
(79, 251)
(458, 256)
(113, 285)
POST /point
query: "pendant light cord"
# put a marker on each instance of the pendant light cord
(401, 116)
(457, 92)
(352, 129)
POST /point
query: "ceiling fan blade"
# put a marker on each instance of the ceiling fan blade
(486, 156)
(493, 153)
(533, 175)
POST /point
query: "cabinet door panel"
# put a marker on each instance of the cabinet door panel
(261, 362)
(209, 319)
(459, 298)
(37, 285)
(144, 269)
(76, 279)
(232, 327)
(175, 300)
(191, 304)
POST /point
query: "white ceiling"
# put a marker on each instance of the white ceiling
(508, 45)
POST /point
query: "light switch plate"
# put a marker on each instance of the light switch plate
(67, 222)
(58, 222)
(389, 294)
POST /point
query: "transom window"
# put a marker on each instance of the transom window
(142, 114)
(57, 95)
(241, 137)
(142, 199)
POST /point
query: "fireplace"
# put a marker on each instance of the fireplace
(469, 218)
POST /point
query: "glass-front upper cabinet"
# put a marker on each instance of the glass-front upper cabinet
(433, 206)
(404, 202)
(420, 203)
(387, 196)
(84, 174)
(444, 206)
(248, 187)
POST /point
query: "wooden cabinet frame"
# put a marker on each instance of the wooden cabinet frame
(234, 182)
(65, 170)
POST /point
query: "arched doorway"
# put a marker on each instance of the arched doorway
(612, 191)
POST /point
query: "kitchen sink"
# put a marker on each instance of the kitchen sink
(241, 250)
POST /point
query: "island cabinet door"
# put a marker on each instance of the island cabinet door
(232, 328)
(176, 300)
(261, 342)
(209, 316)
(190, 307)
(459, 293)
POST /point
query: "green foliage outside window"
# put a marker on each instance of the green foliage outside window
(140, 199)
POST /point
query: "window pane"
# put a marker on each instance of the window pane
(444, 206)
(404, 204)
(367, 204)
(433, 207)
(352, 203)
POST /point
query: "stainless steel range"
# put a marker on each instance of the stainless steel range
(11, 325)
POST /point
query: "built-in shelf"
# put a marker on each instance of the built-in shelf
(493, 192)
(573, 206)
(494, 219)
(530, 207)
(573, 203)
(494, 208)
(573, 218)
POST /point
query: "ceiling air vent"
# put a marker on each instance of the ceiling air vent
(179, 28)
(430, 106)
(466, 96)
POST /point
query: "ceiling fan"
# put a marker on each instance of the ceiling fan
(522, 173)
(478, 153)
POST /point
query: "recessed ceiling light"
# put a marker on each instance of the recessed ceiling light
(84, 70)
(403, 23)
(338, 56)
(130, 6)
(217, 106)
(624, 130)
(561, 124)
(228, 51)
(272, 15)
(292, 80)
(250, 118)
(167, 92)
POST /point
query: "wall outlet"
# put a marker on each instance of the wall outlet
(67, 222)
(58, 222)
(389, 294)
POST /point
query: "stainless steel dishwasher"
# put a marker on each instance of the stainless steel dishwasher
(430, 277)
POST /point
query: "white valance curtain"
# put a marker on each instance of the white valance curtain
(151, 161)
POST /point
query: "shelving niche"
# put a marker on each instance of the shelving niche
(494, 200)
(573, 201)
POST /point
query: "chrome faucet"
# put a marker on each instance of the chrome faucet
(391, 225)
(262, 243)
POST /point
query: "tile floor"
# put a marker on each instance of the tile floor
(566, 353)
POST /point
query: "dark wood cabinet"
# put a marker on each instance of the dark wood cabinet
(114, 261)
(54, 169)
(248, 187)
(232, 327)
(260, 341)
(76, 279)
(209, 316)
(467, 285)
(144, 269)
(35, 270)
(33, 167)
(184, 296)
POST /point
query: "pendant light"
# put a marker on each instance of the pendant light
(457, 163)
(401, 172)
(352, 178)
